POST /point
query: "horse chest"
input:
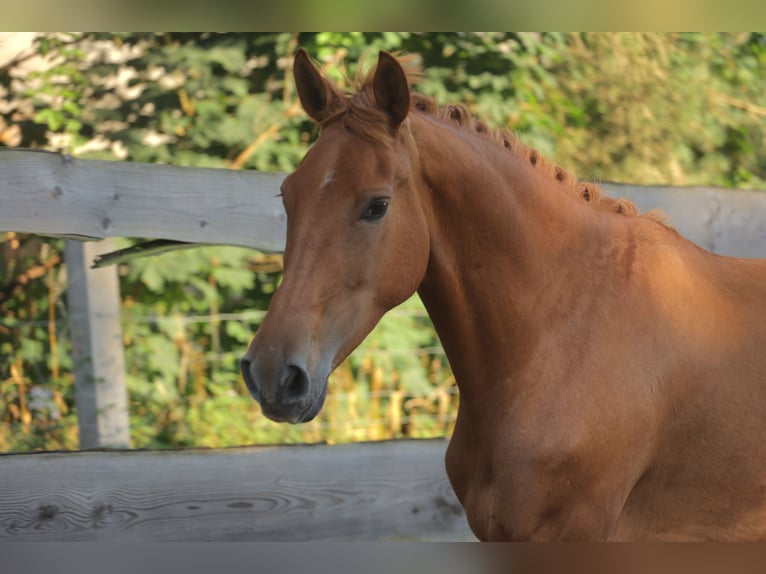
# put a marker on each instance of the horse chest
(485, 480)
(471, 476)
(517, 488)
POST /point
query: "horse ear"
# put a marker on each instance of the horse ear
(392, 90)
(318, 97)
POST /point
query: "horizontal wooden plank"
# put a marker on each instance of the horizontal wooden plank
(375, 491)
(47, 193)
(724, 221)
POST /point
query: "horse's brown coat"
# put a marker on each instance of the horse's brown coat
(612, 374)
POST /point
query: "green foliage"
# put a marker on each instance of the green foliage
(640, 108)
(664, 109)
(36, 385)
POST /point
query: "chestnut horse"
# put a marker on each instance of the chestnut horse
(612, 374)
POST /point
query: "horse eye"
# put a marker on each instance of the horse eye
(376, 209)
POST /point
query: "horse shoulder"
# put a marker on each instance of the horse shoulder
(553, 472)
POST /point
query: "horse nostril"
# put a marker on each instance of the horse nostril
(247, 375)
(295, 386)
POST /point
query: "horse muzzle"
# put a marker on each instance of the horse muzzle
(286, 395)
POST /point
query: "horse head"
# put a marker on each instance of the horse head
(357, 238)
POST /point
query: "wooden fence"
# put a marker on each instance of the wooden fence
(373, 491)
(377, 491)
(53, 194)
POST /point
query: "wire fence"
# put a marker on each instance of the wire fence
(185, 388)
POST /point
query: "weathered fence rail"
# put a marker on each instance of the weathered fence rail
(53, 194)
(377, 491)
(724, 221)
(47, 193)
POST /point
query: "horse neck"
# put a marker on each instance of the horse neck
(507, 249)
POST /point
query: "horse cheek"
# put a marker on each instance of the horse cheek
(405, 265)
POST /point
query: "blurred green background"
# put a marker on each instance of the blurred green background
(654, 108)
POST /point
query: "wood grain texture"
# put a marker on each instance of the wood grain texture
(51, 194)
(374, 491)
(47, 193)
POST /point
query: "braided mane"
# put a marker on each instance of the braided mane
(360, 115)
(458, 115)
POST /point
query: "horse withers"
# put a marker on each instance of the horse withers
(612, 374)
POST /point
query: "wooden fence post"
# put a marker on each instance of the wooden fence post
(93, 296)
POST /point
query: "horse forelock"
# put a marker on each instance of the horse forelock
(360, 114)
(357, 108)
